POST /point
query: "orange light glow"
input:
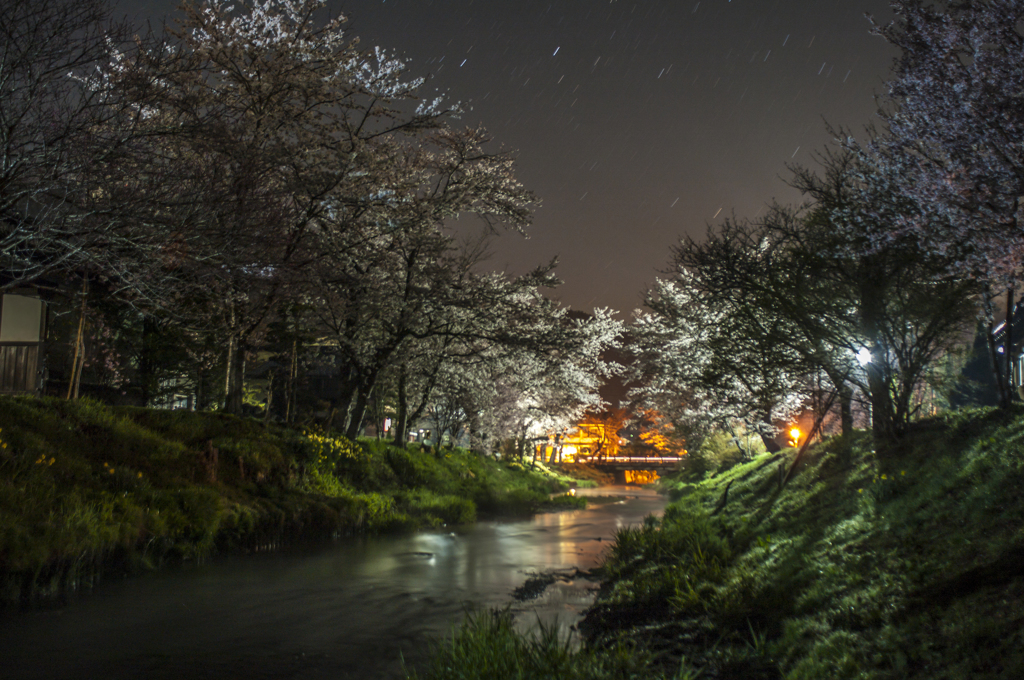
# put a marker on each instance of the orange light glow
(641, 476)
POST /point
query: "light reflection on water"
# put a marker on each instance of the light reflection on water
(349, 610)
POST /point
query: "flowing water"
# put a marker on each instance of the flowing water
(353, 609)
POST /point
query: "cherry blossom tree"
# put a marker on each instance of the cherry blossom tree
(756, 310)
(394, 278)
(540, 378)
(699, 371)
(955, 136)
(260, 123)
(879, 294)
(415, 302)
(48, 137)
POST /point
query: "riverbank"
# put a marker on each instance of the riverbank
(362, 607)
(88, 490)
(849, 571)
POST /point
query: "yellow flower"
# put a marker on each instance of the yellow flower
(903, 472)
(860, 490)
(883, 477)
(52, 460)
(140, 475)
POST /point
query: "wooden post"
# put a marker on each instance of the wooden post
(79, 358)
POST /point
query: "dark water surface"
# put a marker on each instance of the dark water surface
(352, 609)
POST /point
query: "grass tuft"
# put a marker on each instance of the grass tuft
(488, 646)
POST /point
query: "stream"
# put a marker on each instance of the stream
(352, 609)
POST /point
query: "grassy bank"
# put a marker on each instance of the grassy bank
(848, 572)
(86, 489)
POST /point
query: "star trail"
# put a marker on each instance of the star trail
(636, 121)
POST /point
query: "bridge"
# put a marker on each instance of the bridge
(619, 465)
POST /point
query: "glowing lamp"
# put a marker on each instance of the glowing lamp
(794, 436)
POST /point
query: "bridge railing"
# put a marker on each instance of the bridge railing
(667, 460)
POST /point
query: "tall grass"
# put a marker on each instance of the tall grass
(488, 647)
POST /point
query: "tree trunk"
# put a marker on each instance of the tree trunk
(293, 370)
(78, 372)
(988, 306)
(1008, 347)
(270, 398)
(234, 382)
(421, 408)
(744, 450)
(342, 403)
(402, 417)
(200, 393)
(355, 421)
(147, 369)
(227, 369)
(846, 408)
(202, 390)
(881, 405)
(770, 444)
(871, 305)
(845, 396)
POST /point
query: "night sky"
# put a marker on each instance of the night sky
(635, 121)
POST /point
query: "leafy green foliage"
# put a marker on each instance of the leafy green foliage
(666, 561)
(718, 452)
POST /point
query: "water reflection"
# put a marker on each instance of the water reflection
(346, 611)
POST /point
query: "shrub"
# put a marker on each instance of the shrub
(488, 647)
